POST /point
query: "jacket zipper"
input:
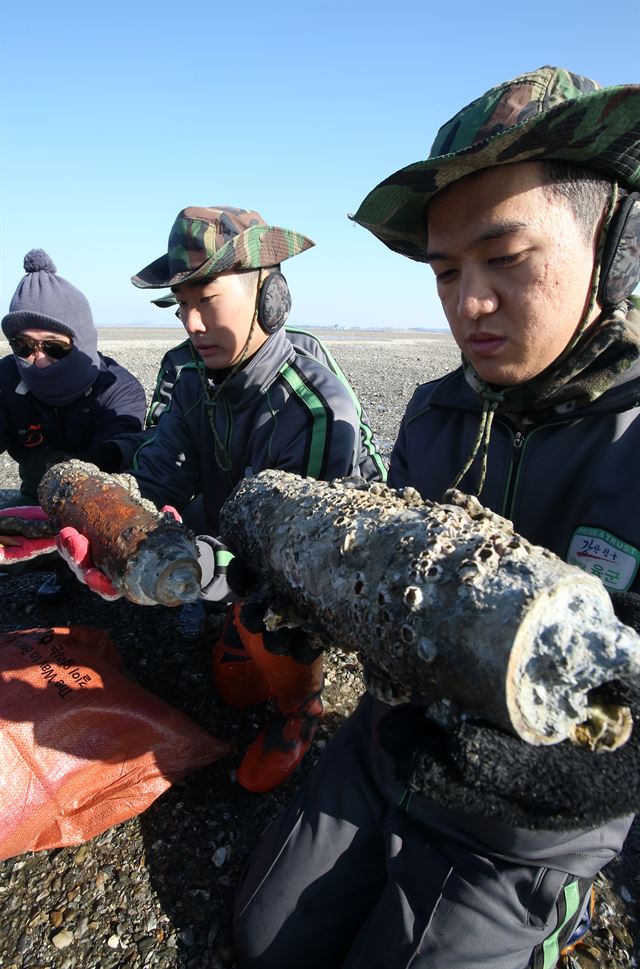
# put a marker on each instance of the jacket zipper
(516, 454)
(520, 441)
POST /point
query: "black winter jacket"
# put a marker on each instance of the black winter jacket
(35, 433)
(285, 410)
(568, 482)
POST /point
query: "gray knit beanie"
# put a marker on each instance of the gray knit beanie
(45, 301)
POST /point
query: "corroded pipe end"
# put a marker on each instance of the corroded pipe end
(607, 727)
(178, 584)
(569, 646)
(165, 569)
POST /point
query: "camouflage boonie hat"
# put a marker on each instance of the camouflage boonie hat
(545, 115)
(206, 241)
(167, 299)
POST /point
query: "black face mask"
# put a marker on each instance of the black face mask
(63, 381)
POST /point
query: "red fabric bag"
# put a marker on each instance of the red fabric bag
(82, 747)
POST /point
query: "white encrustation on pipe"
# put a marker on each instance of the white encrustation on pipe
(445, 603)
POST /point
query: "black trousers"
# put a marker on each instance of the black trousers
(343, 879)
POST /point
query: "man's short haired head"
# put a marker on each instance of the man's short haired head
(221, 266)
(548, 115)
(540, 163)
(584, 190)
(514, 270)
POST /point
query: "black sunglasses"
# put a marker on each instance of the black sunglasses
(24, 347)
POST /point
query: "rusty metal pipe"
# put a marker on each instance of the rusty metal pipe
(149, 557)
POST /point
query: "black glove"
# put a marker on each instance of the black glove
(626, 606)
(285, 641)
(106, 456)
(240, 578)
(480, 769)
(224, 578)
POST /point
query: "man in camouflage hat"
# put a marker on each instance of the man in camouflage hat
(247, 400)
(441, 842)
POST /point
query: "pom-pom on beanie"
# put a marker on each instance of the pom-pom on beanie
(46, 301)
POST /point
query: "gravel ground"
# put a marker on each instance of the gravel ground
(156, 891)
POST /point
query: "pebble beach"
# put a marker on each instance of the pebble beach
(156, 891)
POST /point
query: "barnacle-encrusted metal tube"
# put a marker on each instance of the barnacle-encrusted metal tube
(148, 556)
(446, 604)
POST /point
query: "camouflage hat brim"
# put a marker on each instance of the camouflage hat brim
(167, 299)
(599, 130)
(258, 247)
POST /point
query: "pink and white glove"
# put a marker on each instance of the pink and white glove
(74, 549)
(20, 548)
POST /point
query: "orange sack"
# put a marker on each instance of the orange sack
(82, 747)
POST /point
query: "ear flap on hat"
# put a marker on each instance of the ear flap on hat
(274, 302)
(620, 272)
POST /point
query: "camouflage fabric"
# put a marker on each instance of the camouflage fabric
(167, 299)
(547, 114)
(206, 241)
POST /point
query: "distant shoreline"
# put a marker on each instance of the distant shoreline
(315, 326)
(116, 339)
(174, 334)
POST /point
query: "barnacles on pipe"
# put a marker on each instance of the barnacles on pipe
(445, 602)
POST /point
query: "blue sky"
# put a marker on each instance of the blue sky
(116, 115)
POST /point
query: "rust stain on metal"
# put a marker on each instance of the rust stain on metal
(148, 556)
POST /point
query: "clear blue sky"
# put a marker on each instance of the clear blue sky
(115, 115)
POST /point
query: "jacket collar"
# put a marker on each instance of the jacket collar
(259, 373)
(453, 391)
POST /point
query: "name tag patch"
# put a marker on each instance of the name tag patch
(602, 554)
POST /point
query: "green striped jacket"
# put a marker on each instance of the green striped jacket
(287, 409)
